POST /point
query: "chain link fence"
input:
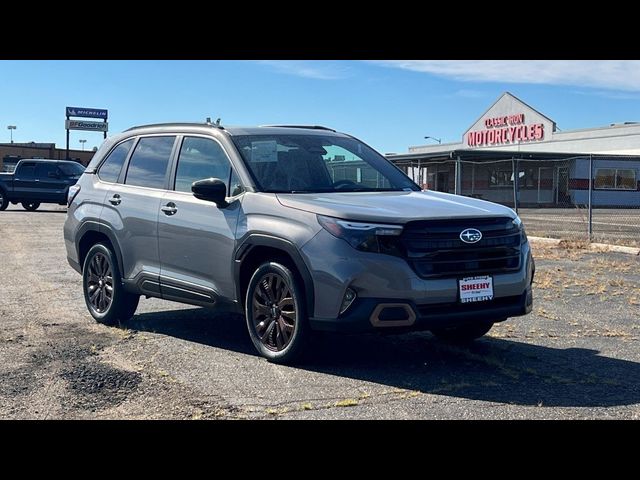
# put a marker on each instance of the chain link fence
(586, 198)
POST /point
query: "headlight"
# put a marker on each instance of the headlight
(517, 223)
(367, 237)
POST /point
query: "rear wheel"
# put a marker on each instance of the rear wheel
(276, 313)
(107, 300)
(30, 206)
(463, 333)
(4, 201)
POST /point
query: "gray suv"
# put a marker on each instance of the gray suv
(301, 228)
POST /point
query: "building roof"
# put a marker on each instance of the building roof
(28, 145)
(485, 154)
(516, 99)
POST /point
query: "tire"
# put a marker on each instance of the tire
(276, 313)
(463, 333)
(120, 305)
(4, 200)
(30, 206)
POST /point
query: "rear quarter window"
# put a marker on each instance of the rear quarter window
(110, 169)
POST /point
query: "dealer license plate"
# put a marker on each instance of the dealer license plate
(476, 289)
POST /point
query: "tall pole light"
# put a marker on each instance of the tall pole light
(82, 142)
(11, 128)
(434, 138)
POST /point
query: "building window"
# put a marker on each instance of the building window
(500, 178)
(615, 179)
(527, 178)
(504, 178)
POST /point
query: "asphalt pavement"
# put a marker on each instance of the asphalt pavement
(575, 356)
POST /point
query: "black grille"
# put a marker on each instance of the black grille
(433, 247)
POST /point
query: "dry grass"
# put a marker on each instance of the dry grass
(541, 312)
(347, 402)
(547, 252)
(544, 279)
(573, 244)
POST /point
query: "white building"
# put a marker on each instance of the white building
(553, 165)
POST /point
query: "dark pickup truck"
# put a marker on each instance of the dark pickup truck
(38, 181)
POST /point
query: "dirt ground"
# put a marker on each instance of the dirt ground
(575, 356)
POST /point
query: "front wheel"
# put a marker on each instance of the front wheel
(463, 333)
(107, 300)
(30, 206)
(276, 314)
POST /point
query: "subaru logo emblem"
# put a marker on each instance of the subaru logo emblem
(471, 235)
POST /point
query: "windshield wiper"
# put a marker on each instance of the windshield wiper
(364, 189)
(333, 190)
(325, 190)
(316, 190)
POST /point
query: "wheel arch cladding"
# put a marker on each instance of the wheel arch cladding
(91, 233)
(257, 249)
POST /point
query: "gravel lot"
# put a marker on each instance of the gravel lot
(575, 356)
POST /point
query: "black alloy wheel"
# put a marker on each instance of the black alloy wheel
(4, 201)
(275, 313)
(104, 294)
(100, 283)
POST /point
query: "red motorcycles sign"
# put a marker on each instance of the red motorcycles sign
(505, 130)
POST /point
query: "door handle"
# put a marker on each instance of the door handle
(169, 209)
(115, 200)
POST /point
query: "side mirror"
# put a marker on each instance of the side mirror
(53, 175)
(211, 189)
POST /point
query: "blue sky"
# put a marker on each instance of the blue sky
(388, 104)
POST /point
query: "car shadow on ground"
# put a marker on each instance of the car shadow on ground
(39, 210)
(491, 369)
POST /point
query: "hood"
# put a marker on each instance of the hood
(393, 207)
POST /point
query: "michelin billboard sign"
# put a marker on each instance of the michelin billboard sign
(86, 112)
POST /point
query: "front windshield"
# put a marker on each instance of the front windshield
(71, 169)
(318, 163)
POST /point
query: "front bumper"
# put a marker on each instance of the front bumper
(389, 281)
(359, 318)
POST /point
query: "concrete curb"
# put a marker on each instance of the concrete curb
(594, 247)
(603, 247)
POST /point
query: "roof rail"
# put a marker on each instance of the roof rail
(176, 124)
(310, 127)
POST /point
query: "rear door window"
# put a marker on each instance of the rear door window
(149, 162)
(43, 170)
